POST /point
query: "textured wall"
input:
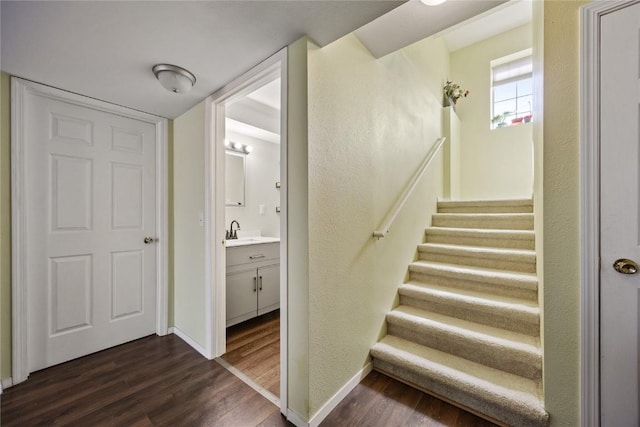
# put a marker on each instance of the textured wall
(5, 226)
(561, 211)
(188, 235)
(538, 152)
(298, 228)
(170, 221)
(371, 123)
(495, 163)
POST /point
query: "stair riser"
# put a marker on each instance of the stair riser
(526, 266)
(490, 288)
(497, 223)
(508, 360)
(463, 396)
(486, 206)
(505, 243)
(526, 324)
(485, 209)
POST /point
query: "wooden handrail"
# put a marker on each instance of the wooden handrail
(383, 230)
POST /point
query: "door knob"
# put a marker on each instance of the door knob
(148, 240)
(625, 266)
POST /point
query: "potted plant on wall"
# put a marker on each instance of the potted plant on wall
(500, 120)
(452, 92)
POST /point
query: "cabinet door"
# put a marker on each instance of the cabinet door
(242, 290)
(269, 288)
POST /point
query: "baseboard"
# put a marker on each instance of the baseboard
(296, 419)
(5, 383)
(341, 394)
(186, 338)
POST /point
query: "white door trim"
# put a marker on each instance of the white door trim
(590, 15)
(19, 90)
(215, 256)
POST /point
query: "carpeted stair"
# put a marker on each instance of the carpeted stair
(468, 325)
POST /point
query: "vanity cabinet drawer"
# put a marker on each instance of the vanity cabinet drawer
(252, 253)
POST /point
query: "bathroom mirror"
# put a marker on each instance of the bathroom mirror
(234, 176)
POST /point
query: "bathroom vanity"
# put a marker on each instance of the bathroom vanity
(253, 277)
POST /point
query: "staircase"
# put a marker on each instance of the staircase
(468, 325)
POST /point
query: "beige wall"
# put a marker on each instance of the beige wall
(451, 153)
(538, 151)
(561, 212)
(298, 229)
(495, 163)
(170, 249)
(371, 123)
(188, 234)
(5, 226)
(350, 285)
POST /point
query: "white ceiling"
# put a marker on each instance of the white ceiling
(268, 94)
(413, 21)
(257, 114)
(495, 21)
(247, 110)
(105, 49)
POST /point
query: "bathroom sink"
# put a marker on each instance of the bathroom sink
(253, 240)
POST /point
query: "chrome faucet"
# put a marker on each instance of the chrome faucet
(231, 233)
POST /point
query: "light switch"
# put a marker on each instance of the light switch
(201, 219)
(262, 210)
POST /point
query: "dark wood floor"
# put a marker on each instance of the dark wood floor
(154, 381)
(253, 347)
(382, 401)
(161, 381)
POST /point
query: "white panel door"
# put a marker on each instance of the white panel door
(90, 185)
(620, 228)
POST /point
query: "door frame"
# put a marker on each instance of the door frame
(590, 52)
(214, 224)
(20, 89)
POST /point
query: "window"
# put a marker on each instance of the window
(512, 89)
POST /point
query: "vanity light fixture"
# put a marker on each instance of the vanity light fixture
(432, 2)
(173, 78)
(237, 147)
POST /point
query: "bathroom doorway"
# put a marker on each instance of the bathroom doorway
(252, 233)
(245, 224)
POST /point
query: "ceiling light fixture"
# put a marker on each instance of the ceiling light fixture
(432, 2)
(173, 78)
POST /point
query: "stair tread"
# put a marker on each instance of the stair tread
(467, 327)
(479, 250)
(464, 329)
(499, 387)
(477, 271)
(479, 299)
